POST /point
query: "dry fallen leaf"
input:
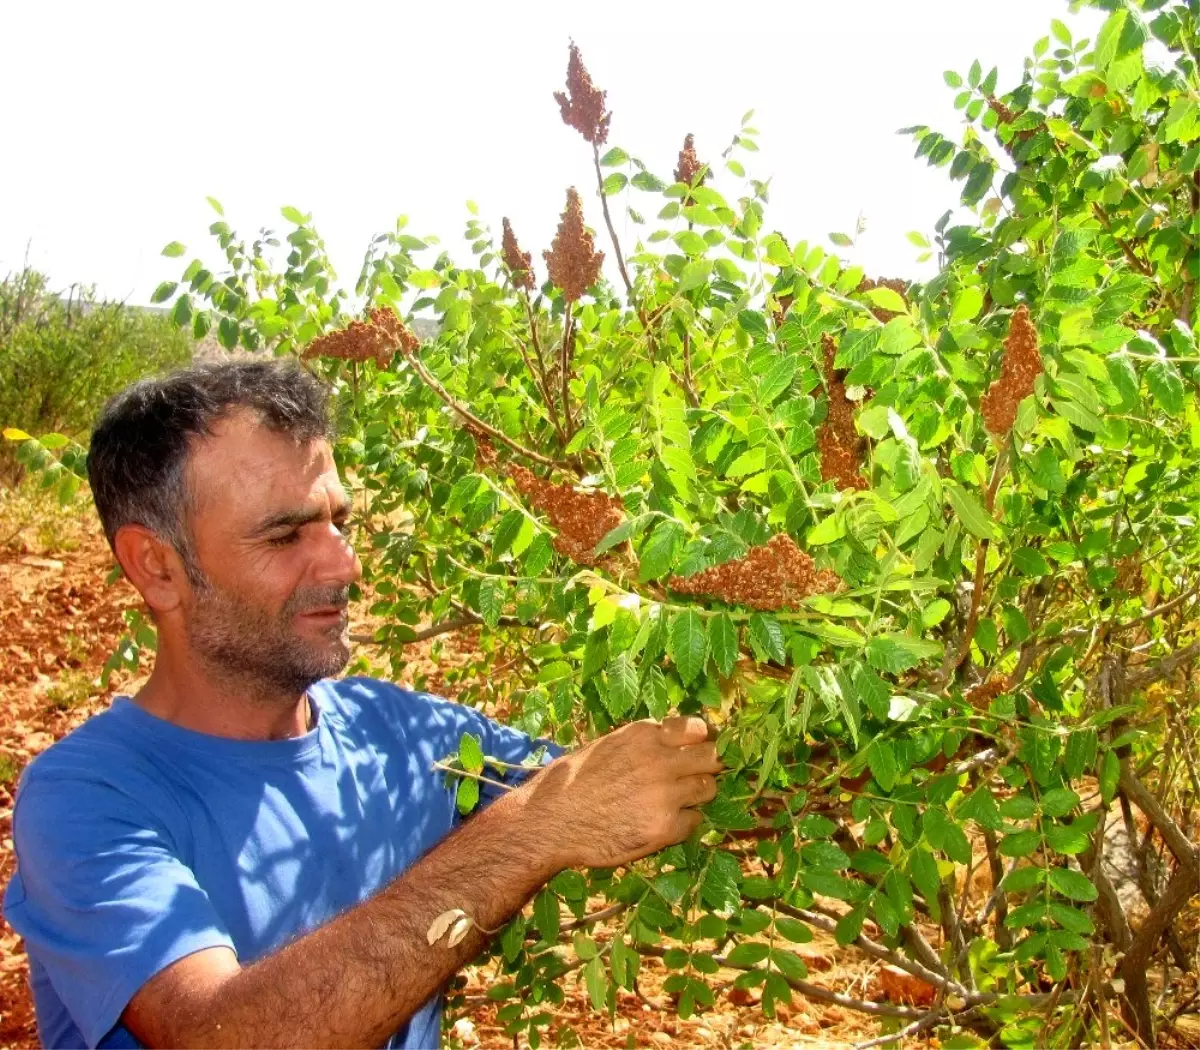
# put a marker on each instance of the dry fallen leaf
(439, 926)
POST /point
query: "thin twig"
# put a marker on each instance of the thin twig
(457, 406)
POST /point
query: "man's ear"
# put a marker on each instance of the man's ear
(152, 566)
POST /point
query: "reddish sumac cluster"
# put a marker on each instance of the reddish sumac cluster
(572, 260)
(375, 339)
(583, 103)
(776, 575)
(582, 519)
(837, 440)
(900, 287)
(986, 692)
(689, 164)
(519, 263)
(1021, 366)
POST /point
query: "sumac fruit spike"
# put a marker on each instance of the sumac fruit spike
(582, 518)
(1022, 365)
(572, 260)
(519, 263)
(582, 104)
(776, 575)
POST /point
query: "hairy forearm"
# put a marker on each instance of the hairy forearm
(360, 977)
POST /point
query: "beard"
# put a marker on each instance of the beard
(264, 651)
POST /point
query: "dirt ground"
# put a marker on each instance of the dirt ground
(60, 620)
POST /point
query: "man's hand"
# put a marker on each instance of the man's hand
(625, 795)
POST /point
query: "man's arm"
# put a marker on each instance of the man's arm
(360, 977)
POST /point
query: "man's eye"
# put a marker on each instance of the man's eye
(285, 540)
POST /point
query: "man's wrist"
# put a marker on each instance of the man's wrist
(533, 832)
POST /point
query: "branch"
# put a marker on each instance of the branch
(1164, 668)
(1179, 844)
(873, 949)
(964, 647)
(612, 232)
(566, 367)
(428, 378)
(926, 1020)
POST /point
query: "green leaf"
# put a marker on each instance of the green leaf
(1110, 773)
(615, 183)
(924, 871)
(887, 299)
(1165, 383)
(881, 758)
(723, 642)
(942, 833)
(643, 180)
(688, 644)
(1059, 802)
(1182, 123)
(466, 798)
(506, 532)
(623, 686)
(952, 79)
(749, 462)
(691, 242)
(970, 512)
(545, 915)
(614, 158)
(491, 600)
(470, 753)
(1030, 562)
(658, 552)
(841, 240)
(293, 215)
(748, 954)
(164, 292)
(766, 635)
(900, 652)
(1072, 884)
(174, 250)
(597, 983)
(1061, 33)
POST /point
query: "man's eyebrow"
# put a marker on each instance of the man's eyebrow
(301, 516)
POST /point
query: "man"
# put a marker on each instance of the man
(249, 853)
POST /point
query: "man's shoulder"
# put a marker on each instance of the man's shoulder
(95, 751)
(359, 698)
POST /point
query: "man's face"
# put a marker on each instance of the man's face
(267, 520)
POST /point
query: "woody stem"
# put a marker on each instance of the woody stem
(567, 344)
(612, 233)
(964, 647)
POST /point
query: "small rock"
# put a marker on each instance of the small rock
(661, 1038)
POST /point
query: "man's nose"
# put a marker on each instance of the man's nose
(338, 560)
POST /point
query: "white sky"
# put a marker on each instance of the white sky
(120, 117)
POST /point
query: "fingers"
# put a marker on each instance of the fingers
(687, 821)
(695, 790)
(696, 758)
(680, 730)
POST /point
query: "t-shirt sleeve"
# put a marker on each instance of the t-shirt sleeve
(101, 896)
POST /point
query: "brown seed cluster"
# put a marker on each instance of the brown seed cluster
(375, 339)
(776, 575)
(583, 103)
(1129, 575)
(573, 261)
(897, 285)
(582, 519)
(838, 442)
(689, 164)
(1006, 115)
(519, 263)
(986, 692)
(1021, 366)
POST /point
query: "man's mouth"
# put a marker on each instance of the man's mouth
(326, 615)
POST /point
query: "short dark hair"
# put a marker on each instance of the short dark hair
(137, 463)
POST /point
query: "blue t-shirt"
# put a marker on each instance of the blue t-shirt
(139, 842)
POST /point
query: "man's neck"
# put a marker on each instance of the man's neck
(194, 698)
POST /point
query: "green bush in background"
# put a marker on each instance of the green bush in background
(63, 355)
